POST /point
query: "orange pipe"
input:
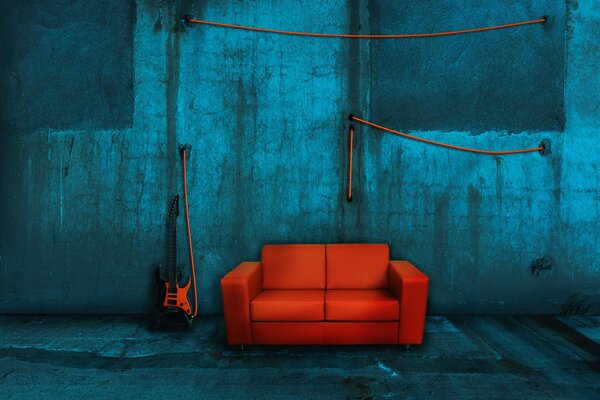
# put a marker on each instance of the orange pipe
(450, 146)
(359, 36)
(351, 141)
(189, 234)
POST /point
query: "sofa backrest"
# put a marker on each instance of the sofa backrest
(293, 266)
(357, 266)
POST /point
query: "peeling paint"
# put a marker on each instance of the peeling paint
(540, 265)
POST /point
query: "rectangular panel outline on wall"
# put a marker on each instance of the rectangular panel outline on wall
(422, 84)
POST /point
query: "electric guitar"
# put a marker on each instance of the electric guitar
(172, 297)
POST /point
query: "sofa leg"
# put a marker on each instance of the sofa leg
(406, 347)
(242, 348)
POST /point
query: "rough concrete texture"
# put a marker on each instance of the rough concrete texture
(66, 64)
(462, 358)
(510, 79)
(83, 218)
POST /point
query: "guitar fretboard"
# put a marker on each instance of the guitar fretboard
(172, 255)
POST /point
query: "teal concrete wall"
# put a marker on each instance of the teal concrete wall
(85, 189)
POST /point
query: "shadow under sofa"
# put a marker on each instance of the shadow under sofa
(325, 294)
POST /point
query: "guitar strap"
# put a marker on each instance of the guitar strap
(184, 151)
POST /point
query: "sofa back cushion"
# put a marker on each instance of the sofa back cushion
(293, 266)
(357, 266)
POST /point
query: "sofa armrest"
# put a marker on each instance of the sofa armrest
(239, 287)
(409, 286)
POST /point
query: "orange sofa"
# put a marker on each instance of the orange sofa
(325, 294)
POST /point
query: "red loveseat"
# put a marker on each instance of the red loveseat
(325, 294)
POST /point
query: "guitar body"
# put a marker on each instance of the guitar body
(177, 297)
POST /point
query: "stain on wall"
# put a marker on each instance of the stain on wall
(84, 211)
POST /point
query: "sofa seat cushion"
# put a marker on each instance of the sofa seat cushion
(361, 305)
(288, 305)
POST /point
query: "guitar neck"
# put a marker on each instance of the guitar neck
(172, 255)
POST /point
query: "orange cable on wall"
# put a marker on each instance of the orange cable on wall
(190, 20)
(189, 234)
(543, 148)
(540, 148)
(350, 151)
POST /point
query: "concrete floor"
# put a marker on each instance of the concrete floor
(474, 357)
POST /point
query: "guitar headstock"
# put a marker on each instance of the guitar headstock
(174, 211)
